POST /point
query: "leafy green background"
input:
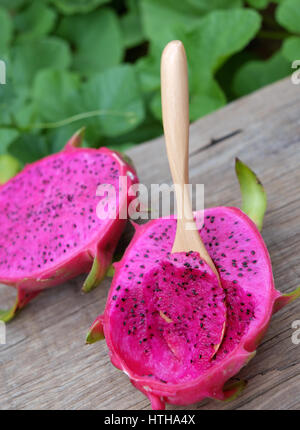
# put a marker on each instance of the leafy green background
(95, 63)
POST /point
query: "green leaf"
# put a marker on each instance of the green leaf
(114, 96)
(7, 136)
(206, 99)
(29, 147)
(31, 56)
(97, 38)
(7, 99)
(58, 137)
(213, 41)
(15, 109)
(45, 96)
(96, 275)
(226, 73)
(216, 37)
(204, 6)
(36, 20)
(288, 15)
(26, 115)
(256, 74)
(12, 4)
(57, 97)
(203, 100)
(107, 104)
(210, 40)
(258, 4)
(149, 129)
(6, 30)
(9, 167)
(11, 102)
(23, 297)
(148, 68)
(161, 18)
(291, 48)
(285, 299)
(220, 35)
(96, 332)
(120, 147)
(131, 25)
(55, 93)
(78, 6)
(253, 193)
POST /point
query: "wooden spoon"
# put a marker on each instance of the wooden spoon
(175, 110)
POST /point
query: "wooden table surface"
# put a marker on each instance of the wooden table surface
(46, 364)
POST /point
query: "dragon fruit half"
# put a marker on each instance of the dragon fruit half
(49, 229)
(163, 316)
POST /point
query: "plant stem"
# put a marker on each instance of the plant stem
(131, 116)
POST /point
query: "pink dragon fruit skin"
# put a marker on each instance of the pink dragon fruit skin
(180, 375)
(49, 229)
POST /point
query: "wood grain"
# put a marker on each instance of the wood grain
(45, 363)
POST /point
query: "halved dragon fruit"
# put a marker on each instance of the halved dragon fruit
(163, 317)
(49, 228)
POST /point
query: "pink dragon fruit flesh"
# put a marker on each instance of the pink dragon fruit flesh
(163, 318)
(49, 228)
